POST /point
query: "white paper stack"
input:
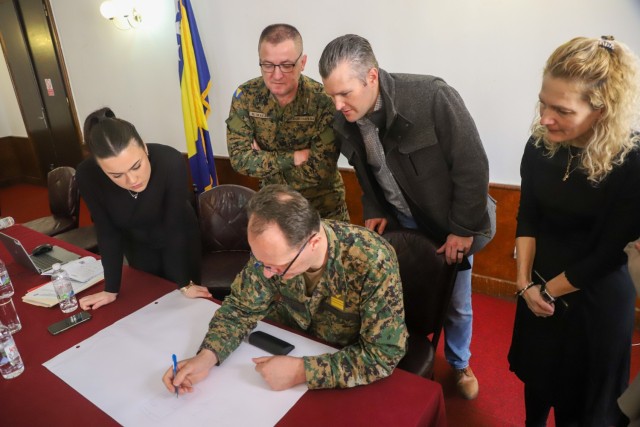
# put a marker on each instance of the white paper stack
(84, 273)
(83, 269)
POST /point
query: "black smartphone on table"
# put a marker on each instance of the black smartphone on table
(269, 343)
(69, 322)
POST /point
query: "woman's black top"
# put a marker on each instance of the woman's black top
(157, 230)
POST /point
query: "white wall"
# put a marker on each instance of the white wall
(491, 51)
(134, 71)
(11, 123)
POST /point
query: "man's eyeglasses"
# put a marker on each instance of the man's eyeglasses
(260, 264)
(286, 67)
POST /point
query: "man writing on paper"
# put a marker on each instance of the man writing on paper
(279, 126)
(333, 280)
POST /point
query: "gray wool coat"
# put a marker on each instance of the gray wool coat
(435, 154)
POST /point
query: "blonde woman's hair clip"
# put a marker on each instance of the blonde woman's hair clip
(606, 42)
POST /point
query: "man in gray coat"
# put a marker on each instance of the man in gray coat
(420, 163)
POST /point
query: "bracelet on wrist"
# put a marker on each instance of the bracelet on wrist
(521, 292)
(184, 289)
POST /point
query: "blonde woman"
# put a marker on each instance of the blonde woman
(578, 209)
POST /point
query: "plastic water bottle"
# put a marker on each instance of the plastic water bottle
(10, 361)
(64, 289)
(6, 287)
(6, 222)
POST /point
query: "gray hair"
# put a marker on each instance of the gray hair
(285, 207)
(351, 48)
(278, 33)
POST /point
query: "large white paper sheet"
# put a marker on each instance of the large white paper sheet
(120, 368)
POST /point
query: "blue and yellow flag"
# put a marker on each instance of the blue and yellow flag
(195, 83)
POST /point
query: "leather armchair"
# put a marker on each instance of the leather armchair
(64, 203)
(427, 283)
(223, 227)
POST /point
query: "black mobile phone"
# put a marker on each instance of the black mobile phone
(270, 344)
(69, 322)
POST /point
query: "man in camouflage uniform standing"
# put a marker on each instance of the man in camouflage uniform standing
(336, 281)
(279, 126)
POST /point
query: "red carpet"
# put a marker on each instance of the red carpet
(500, 402)
(501, 398)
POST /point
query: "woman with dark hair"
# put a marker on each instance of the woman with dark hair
(137, 194)
(579, 204)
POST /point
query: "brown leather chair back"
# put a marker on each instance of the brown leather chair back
(427, 283)
(223, 219)
(64, 203)
(223, 227)
(64, 196)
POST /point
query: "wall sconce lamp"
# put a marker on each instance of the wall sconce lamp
(124, 17)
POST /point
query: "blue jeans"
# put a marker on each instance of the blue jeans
(458, 325)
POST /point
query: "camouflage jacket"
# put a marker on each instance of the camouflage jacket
(303, 123)
(357, 305)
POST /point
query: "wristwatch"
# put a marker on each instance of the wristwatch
(550, 299)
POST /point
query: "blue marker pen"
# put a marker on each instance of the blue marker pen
(175, 371)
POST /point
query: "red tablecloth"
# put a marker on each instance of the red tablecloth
(37, 397)
(402, 399)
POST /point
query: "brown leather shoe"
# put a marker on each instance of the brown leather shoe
(467, 383)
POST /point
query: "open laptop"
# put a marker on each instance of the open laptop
(37, 263)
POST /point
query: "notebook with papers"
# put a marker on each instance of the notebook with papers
(37, 263)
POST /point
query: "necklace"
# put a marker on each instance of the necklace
(570, 157)
(133, 194)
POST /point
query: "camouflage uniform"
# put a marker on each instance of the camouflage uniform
(356, 304)
(303, 123)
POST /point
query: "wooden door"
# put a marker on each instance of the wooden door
(34, 64)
